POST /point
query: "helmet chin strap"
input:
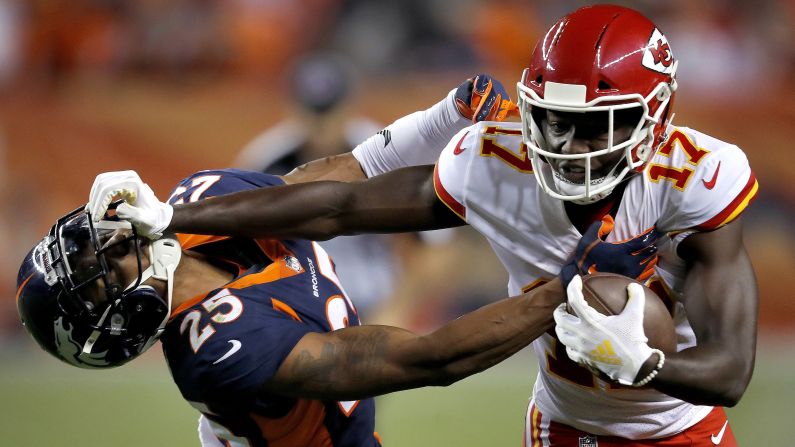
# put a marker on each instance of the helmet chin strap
(573, 189)
(164, 256)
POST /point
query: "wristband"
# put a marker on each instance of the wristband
(654, 372)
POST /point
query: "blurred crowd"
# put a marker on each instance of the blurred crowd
(741, 42)
(730, 52)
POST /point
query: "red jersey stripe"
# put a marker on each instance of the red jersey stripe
(445, 196)
(737, 206)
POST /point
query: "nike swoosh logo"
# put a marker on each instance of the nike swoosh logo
(458, 149)
(711, 184)
(235, 347)
(717, 439)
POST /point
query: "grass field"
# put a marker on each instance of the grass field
(45, 404)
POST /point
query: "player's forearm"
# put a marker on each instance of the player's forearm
(348, 364)
(339, 168)
(705, 375)
(722, 307)
(414, 140)
(715, 372)
(483, 338)
(391, 359)
(399, 201)
(365, 361)
(296, 211)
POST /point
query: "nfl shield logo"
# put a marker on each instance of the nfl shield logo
(588, 441)
(293, 263)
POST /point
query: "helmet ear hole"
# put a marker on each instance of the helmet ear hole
(664, 93)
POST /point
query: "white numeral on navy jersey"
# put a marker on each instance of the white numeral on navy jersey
(204, 183)
(336, 310)
(219, 299)
(337, 315)
(197, 336)
(326, 268)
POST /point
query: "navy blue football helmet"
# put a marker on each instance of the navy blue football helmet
(71, 302)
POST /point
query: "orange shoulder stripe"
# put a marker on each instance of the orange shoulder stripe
(284, 307)
(188, 241)
(187, 304)
(277, 270)
(273, 248)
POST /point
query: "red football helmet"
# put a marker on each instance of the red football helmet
(600, 58)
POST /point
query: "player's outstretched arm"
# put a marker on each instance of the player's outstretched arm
(403, 200)
(721, 300)
(404, 203)
(413, 140)
(365, 361)
(339, 168)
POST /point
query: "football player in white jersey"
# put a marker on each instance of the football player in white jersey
(594, 161)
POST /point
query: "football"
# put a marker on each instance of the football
(607, 294)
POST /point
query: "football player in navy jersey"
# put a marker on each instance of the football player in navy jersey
(258, 334)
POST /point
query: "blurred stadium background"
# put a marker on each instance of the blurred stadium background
(168, 87)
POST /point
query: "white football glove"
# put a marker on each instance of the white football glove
(142, 208)
(615, 345)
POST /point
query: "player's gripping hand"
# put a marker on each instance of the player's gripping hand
(615, 345)
(141, 207)
(634, 258)
(484, 98)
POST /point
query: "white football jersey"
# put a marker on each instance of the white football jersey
(694, 182)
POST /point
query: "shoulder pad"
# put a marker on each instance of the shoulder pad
(706, 183)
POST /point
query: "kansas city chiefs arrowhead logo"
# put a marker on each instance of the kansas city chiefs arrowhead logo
(658, 55)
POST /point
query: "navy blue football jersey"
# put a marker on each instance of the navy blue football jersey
(223, 346)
